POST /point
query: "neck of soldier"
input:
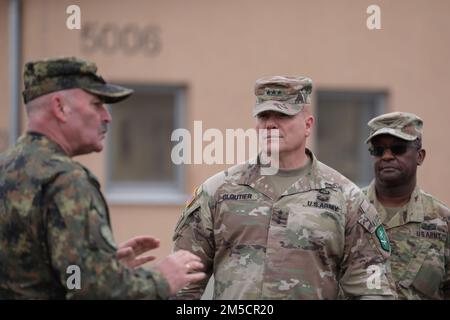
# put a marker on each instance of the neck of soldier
(52, 132)
(293, 159)
(394, 196)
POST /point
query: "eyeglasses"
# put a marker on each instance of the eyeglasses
(396, 150)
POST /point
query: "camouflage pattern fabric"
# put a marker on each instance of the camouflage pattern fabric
(285, 94)
(45, 76)
(53, 215)
(404, 125)
(318, 237)
(420, 243)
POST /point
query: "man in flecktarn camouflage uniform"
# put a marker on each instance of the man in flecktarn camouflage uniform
(53, 217)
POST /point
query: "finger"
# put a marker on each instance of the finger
(180, 252)
(194, 277)
(128, 243)
(144, 242)
(145, 248)
(193, 257)
(147, 241)
(140, 261)
(182, 255)
(195, 265)
(124, 253)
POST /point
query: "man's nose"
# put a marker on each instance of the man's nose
(271, 122)
(106, 115)
(387, 154)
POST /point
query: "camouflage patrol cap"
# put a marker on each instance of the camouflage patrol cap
(285, 94)
(403, 125)
(50, 75)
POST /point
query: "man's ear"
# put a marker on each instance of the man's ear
(421, 156)
(59, 108)
(309, 123)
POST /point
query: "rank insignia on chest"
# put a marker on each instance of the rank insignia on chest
(323, 195)
(279, 217)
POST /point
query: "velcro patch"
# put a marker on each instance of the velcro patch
(369, 219)
(383, 238)
(238, 196)
(194, 195)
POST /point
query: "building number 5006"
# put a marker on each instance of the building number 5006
(129, 39)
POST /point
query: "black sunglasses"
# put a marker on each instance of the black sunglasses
(396, 150)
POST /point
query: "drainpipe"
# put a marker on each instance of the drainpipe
(14, 69)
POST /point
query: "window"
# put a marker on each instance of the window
(139, 167)
(342, 130)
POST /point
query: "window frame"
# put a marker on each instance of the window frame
(378, 98)
(149, 192)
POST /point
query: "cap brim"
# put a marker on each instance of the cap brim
(110, 93)
(392, 132)
(277, 106)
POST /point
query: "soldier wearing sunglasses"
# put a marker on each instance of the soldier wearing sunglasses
(417, 224)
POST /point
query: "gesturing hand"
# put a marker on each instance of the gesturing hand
(129, 251)
(181, 268)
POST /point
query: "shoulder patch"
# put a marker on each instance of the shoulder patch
(191, 206)
(365, 206)
(371, 221)
(369, 218)
(382, 237)
(196, 192)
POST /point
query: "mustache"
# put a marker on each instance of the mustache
(104, 128)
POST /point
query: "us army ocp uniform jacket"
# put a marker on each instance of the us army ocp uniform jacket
(318, 235)
(419, 235)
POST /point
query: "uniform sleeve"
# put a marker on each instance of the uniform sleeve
(446, 281)
(365, 271)
(78, 234)
(194, 233)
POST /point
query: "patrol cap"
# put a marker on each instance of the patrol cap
(45, 76)
(285, 94)
(403, 125)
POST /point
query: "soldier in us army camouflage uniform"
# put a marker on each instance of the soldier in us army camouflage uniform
(305, 233)
(417, 223)
(52, 212)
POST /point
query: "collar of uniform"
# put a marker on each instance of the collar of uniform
(90, 175)
(312, 180)
(49, 146)
(414, 211)
(371, 195)
(42, 142)
(251, 177)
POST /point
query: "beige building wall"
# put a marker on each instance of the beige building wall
(218, 48)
